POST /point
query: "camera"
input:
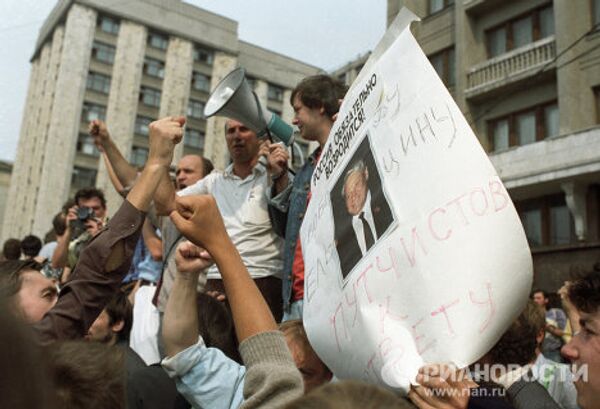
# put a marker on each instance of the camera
(85, 213)
(78, 225)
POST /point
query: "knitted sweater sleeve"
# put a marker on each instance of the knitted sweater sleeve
(272, 379)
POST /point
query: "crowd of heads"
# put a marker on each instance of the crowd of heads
(91, 372)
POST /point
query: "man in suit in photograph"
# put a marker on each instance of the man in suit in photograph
(369, 212)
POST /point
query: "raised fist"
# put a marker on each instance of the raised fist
(164, 135)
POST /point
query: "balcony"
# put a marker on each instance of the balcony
(509, 68)
(556, 159)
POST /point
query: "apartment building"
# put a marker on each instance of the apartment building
(127, 63)
(526, 75)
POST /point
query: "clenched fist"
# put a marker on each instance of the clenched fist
(164, 135)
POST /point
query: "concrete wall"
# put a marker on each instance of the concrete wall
(63, 130)
(122, 100)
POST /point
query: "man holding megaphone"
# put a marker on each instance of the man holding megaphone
(240, 193)
(316, 101)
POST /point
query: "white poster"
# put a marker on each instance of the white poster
(413, 250)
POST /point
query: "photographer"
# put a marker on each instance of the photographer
(83, 221)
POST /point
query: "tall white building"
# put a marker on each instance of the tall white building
(128, 63)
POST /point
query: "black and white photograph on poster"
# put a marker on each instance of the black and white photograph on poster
(361, 211)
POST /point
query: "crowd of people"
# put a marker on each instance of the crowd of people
(191, 295)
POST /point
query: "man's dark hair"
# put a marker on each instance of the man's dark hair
(119, 309)
(24, 383)
(12, 249)
(31, 245)
(87, 375)
(539, 290)
(10, 275)
(215, 325)
(207, 166)
(90, 193)
(320, 91)
(59, 224)
(517, 345)
(585, 293)
(67, 205)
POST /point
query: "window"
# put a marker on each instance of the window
(93, 111)
(194, 138)
(139, 156)
(596, 13)
(85, 145)
(444, 64)
(158, 41)
(521, 31)
(150, 96)
(103, 52)
(108, 25)
(142, 124)
(200, 82)
(439, 5)
(203, 55)
(275, 93)
(196, 109)
(546, 221)
(524, 127)
(98, 82)
(154, 68)
(83, 177)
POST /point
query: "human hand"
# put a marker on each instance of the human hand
(199, 220)
(165, 133)
(441, 386)
(277, 159)
(563, 292)
(98, 130)
(191, 260)
(71, 215)
(93, 226)
(217, 295)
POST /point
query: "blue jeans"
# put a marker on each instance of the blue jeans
(295, 311)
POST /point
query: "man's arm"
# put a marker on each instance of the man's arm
(125, 173)
(272, 379)
(164, 198)
(205, 376)
(152, 241)
(61, 252)
(107, 258)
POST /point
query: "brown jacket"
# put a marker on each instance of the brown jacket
(95, 280)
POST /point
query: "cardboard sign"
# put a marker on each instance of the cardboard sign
(413, 250)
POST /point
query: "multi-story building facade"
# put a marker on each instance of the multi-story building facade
(526, 75)
(127, 63)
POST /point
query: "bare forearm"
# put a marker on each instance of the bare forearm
(142, 192)
(152, 241)
(251, 314)
(125, 173)
(180, 323)
(59, 257)
(164, 198)
(281, 183)
(116, 182)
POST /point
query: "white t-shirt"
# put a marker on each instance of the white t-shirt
(243, 205)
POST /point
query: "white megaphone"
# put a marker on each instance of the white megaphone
(234, 99)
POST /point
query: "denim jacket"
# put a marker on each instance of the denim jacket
(286, 211)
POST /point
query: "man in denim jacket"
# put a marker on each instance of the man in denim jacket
(316, 101)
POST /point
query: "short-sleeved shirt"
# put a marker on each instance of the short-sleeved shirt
(243, 205)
